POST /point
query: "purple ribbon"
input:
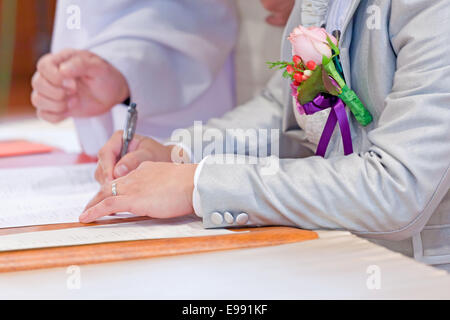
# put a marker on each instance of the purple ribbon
(337, 114)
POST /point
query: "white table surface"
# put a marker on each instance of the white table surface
(332, 267)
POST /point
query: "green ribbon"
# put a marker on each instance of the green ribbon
(362, 115)
(350, 98)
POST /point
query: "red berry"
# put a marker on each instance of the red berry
(311, 65)
(298, 76)
(290, 69)
(296, 83)
(297, 60)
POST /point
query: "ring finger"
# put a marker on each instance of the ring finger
(105, 192)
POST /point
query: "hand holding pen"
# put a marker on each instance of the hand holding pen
(125, 151)
(130, 129)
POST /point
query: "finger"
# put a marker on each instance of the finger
(58, 59)
(73, 102)
(48, 67)
(43, 103)
(130, 162)
(65, 54)
(107, 156)
(105, 192)
(81, 64)
(51, 117)
(107, 207)
(99, 174)
(45, 88)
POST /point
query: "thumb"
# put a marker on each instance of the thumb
(80, 64)
(130, 162)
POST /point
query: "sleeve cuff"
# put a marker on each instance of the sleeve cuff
(196, 201)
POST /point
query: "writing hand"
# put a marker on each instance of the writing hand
(157, 190)
(141, 149)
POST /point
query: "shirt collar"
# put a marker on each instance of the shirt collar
(338, 11)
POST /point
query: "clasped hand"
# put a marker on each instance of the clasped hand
(76, 83)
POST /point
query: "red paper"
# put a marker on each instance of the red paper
(21, 148)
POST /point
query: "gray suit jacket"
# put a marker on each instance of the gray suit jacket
(395, 187)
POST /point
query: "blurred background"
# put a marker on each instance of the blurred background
(25, 34)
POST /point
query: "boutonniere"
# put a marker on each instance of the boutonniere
(318, 84)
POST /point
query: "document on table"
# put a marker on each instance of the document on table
(189, 226)
(45, 195)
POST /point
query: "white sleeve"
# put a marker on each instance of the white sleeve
(169, 51)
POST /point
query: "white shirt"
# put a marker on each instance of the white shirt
(176, 56)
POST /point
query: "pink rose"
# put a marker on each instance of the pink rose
(311, 43)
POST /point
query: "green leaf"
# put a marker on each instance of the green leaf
(330, 68)
(328, 84)
(278, 65)
(310, 88)
(333, 46)
(325, 60)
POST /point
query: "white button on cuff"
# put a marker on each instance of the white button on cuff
(242, 219)
(216, 218)
(228, 218)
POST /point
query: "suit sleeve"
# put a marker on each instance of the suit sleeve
(230, 133)
(388, 192)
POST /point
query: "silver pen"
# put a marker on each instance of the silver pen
(130, 129)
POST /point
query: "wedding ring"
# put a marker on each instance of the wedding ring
(114, 189)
